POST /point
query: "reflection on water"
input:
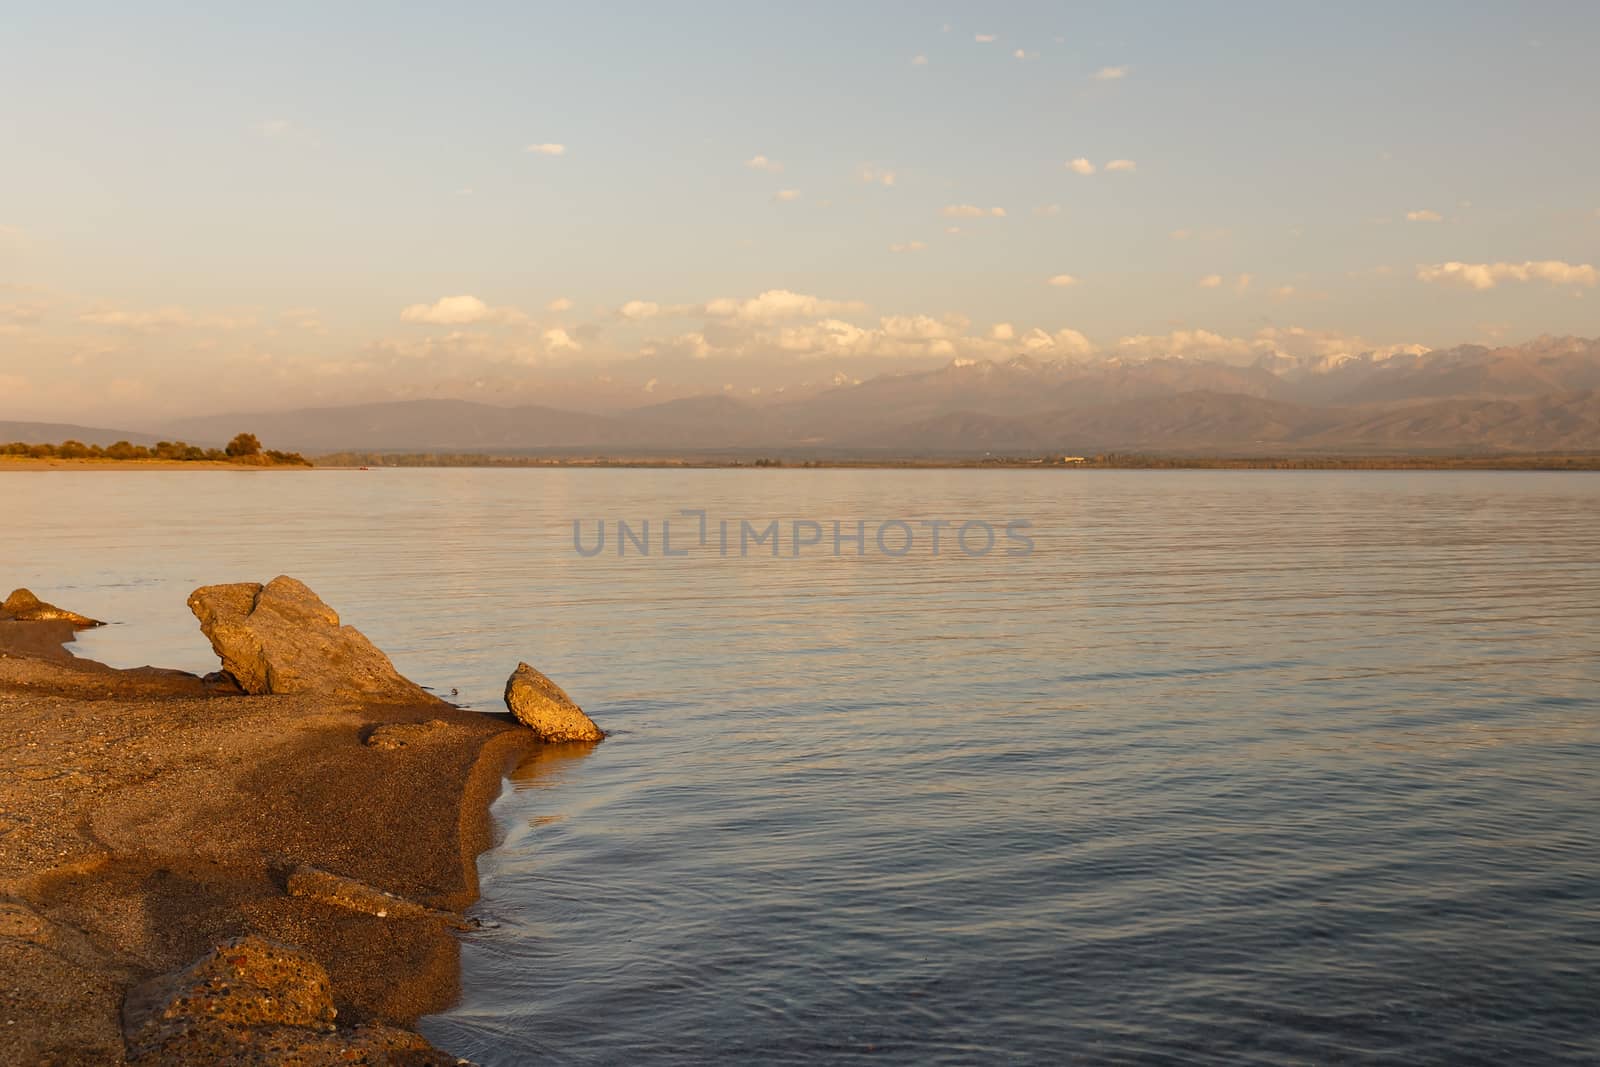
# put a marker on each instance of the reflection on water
(1261, 767)
(546, 767)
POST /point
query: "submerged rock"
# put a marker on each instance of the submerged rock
(251, 1001)
(281, 638)
(23, 606)
(542, 706)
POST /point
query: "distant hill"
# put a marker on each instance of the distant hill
(53, 433)
(413, 425)
(1541, 396)
(1554, 422)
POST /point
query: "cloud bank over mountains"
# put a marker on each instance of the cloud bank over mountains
(1539, 396)
(103, 357)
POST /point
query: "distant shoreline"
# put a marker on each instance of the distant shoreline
(1533, 462)
(22, 463)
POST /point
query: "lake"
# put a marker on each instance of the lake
(1199, 767)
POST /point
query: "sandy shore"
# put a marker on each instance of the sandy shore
(146, 816)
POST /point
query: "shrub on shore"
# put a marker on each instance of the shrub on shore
(245, 449)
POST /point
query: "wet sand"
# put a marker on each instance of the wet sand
(146, 816)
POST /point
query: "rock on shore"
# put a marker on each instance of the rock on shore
(281, 638)
(251, 1001)
(544, 707)
(23, 606)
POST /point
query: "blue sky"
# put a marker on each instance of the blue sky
(255, 195)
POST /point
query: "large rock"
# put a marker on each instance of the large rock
(542, 706)
(281, 638)
(23, 606)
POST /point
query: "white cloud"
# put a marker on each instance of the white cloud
(923, 327)
(1062, 281)
(556, 339)
(1211, 281)
(1312, 348)
(985, 38)
(692, 345)
(908, 246)
(781, 324)
(1110, 74)
(1063, 344)
(559, 304)
(776, 304)
(1390, 351)
(1081, 166)
(1488, 275)
(453, 348)
(971, 211)
(1121, 164)
(1188, 344)
(758, 162)
(459, 311)
(1046, 211)
(547, 149)
(895, 336)
(915, 336)
(1424, 215)
(639, 309)
(919, 61)
(786, 195)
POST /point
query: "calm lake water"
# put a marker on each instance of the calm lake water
(1235, 767)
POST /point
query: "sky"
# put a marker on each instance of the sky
(246, 207)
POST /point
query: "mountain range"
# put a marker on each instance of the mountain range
(1539, 396)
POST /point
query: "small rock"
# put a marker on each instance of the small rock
(222, 682)
(542, 706)
(352, 895)
(393, 735)
(250, 1001)
(23, 606)
(244, 982)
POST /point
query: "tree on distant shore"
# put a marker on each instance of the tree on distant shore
(244, 444)
(244, 449)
